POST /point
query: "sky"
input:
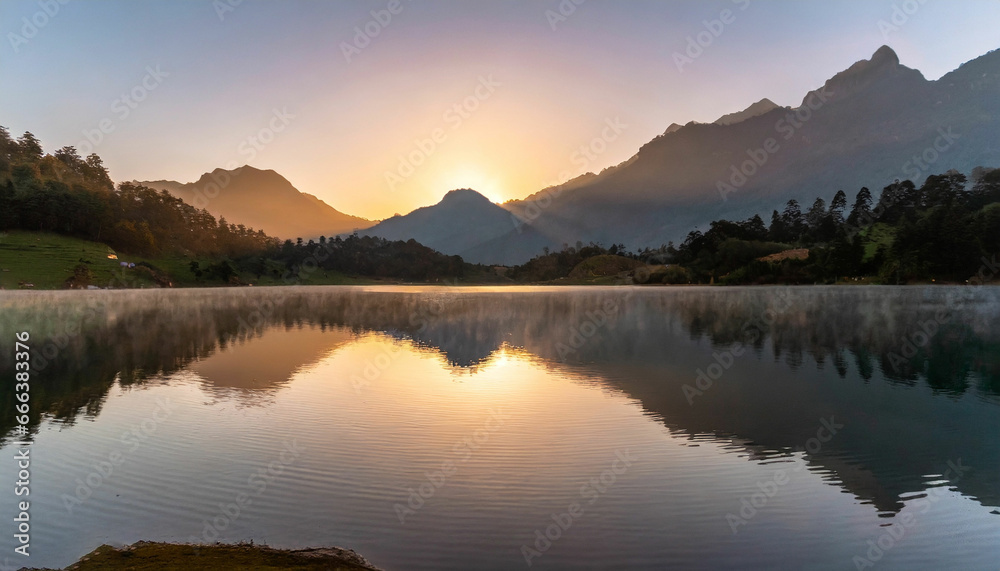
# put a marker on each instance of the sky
(382, 106)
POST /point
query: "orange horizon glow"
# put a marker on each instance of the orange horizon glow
(492, 96)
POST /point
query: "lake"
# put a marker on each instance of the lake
(551, 428)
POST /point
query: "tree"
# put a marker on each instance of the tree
(943, 189)
(96, 173)
(816, 214)
(777, 231)
(71, 159)
(8, 150)
(838, 206)
(754, 229)
(792, 219)
(29, 149)
(986, 189)
(861, 212)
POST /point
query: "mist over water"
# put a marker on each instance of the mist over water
(451, 428)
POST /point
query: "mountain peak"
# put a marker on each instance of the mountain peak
(883, 64)
(464, 195)
(262, 200)
(757, 109)
(221, 176)
(885, 55)
(673, 128)
(884, 60)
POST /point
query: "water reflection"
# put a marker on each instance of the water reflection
(912, 374)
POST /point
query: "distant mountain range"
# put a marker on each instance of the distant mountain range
(263, 200)
(867, 126)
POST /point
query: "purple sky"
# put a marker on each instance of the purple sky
(291, 86)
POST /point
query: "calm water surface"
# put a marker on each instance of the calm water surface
(452, 429)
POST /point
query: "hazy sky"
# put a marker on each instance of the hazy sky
(269, 83)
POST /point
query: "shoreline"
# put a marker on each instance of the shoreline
(512, 286)
(151, 555)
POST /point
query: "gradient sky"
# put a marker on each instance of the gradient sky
(610, 59)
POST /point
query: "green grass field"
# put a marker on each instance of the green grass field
(47, 260)
(878, 235)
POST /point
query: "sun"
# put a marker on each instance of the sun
(470, 176)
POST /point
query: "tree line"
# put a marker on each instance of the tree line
(941, 230)
(66, 194)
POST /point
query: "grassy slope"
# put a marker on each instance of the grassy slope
(878, 235)
(46, 260)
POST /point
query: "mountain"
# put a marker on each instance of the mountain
(465, 223)
(757, 109)
(675, 127)
(870, 124)
(263, 200)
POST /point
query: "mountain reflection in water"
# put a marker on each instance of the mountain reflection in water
(912, 374)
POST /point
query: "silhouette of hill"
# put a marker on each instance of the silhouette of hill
(757, 109)
(265, 200)
(464, 223)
